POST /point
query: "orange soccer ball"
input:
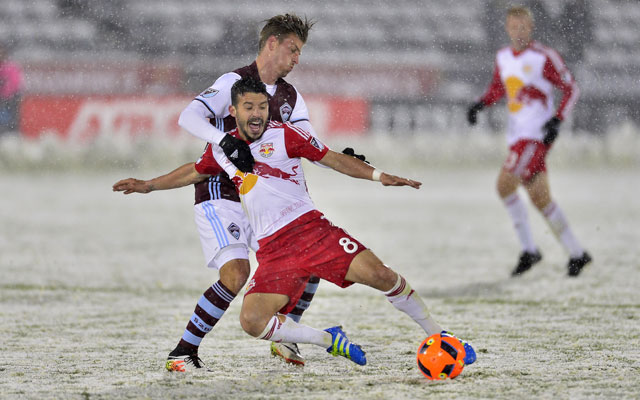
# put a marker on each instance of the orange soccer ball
(441, 357)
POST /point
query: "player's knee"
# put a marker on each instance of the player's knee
(540, 198)
(237, 282)
(503, 189)
(234, 274)
(506, 184)
(252, 322)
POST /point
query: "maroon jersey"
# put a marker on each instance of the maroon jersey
(281, 105)
(216, 187)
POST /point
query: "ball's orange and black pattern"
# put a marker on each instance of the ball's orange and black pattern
(440, 357)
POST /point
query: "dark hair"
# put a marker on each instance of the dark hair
(246, 85)
(283, 25)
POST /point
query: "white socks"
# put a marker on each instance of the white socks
(518, 212)
(401, 296)
(290, 331)
(555, 218)
(406, 300)
(560, 227)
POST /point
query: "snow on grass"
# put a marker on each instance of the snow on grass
(97, 288)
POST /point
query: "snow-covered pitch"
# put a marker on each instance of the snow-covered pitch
(97, 287)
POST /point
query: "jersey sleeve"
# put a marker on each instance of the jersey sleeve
(223, 161)
(212, 103)
(217, 98)
(195, 120)
(495, 91)
(306, 126)
(300, 143)
(207, 164)
(300, 112)
(556, 72)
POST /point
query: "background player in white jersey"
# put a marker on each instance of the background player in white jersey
(224, 230)
(526, 73)
(296, 240)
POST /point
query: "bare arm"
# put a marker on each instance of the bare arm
(353, 167)
(181, 176)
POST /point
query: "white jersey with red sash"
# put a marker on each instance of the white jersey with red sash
(527, 79)
(275, 193)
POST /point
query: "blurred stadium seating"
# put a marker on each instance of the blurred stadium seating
(453, 41)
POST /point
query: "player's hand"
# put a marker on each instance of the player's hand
(551, 128)
(238, 152)
(131, 185)
(472, 112)
(350, 152)
(392, 180)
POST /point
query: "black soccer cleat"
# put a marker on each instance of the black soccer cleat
(526, 261)
(182, 360)
(576, 264)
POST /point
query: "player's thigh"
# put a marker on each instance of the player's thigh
(525, 161)
(367, 269)
(539, 191)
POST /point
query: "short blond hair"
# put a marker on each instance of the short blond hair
(520, 11)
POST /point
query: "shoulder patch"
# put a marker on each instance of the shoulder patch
(316, 144)
(209, 92)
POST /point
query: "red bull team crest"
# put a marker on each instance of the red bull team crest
(266, 150)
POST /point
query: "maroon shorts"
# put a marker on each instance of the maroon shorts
(526, 159)
(308, 246)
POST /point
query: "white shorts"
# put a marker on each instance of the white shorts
(225, 233)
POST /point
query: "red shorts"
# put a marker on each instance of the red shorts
(308, 246)
(526, 159)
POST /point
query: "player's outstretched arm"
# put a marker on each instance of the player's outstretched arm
(356, 168)
(179, 177)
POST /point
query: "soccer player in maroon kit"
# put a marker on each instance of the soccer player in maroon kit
(527, 73)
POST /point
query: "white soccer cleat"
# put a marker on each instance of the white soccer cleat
(288, 352)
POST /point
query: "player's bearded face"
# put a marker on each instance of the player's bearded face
(519, 30)
(251, 115)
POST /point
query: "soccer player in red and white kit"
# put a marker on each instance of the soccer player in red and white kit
(296, 240)
(527, 73)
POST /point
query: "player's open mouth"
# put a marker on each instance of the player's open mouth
(255, 126)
